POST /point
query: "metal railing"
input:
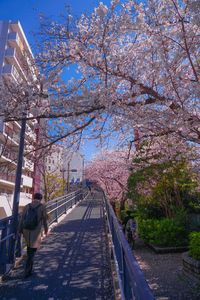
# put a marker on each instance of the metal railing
(131, 279)
(6, 236)
(55, 208)
(59, 206)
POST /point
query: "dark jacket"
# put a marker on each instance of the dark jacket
(126, 219)
(33, 237)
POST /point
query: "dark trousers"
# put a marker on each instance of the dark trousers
(29, 262)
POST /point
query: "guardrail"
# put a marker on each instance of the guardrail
(131, 279)
(59, 206)
(55, 208)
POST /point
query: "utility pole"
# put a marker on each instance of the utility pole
(14, 221)
(36, 180)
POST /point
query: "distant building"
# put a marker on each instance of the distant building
(54, 160)
(73, 168)
(15, 65)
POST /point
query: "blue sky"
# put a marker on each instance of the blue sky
(27, 11)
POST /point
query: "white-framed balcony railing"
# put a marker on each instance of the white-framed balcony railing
(8, 154)
(27, 181)
(8, 177)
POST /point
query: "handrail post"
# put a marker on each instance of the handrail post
(65, 206)
(57, 211)
(18, 251)
(71, 202)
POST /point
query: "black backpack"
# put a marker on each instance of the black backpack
(30, 219)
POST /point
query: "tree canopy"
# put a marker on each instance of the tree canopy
(110, 170)
(137, 65)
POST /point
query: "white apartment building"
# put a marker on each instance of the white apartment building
(54, 160)
(73, 167)
(15, 57)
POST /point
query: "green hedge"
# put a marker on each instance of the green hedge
(194, 245)
(164, 233)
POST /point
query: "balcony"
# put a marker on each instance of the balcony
(15, 26)
(16, 137)
(13, 39)
(18, 126)
(9, 71)
(9, 137)
(10, 52)
(28, 164)
(13, 57)
(8, 154)
(9, 178)
(27, 181)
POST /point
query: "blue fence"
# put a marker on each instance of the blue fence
(55, 208)
(58, 207)
(131, 279)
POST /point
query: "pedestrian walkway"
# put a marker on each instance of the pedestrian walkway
(72, 263)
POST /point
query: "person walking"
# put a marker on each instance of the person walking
(34, 216)
(131, 231)
(92, 191)
(126, 219)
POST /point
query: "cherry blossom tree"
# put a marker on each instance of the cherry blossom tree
(137, 65)
(110, 170)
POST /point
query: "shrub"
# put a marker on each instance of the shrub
(160, 186)
(194, 245)
(164, 233)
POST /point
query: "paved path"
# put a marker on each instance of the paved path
(163, 273)
(72, 263)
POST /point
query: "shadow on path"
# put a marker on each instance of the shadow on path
(72, 263)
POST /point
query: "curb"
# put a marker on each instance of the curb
(163, 250)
